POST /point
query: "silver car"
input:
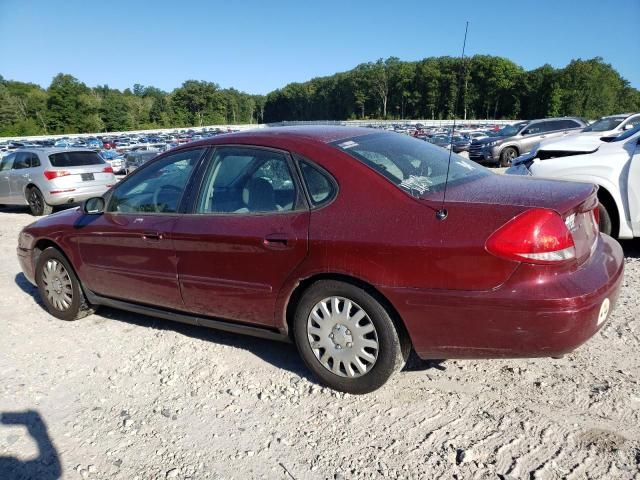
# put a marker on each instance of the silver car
(45, 177)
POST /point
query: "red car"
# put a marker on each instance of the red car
(337, 239)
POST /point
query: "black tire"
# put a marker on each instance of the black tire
(507, 155)
(605, 223)
(78, 307)
(393, 348)
(37, 203)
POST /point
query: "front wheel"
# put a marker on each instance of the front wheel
(59, 287)
(347, 338)
(37, 203)
(507, 155)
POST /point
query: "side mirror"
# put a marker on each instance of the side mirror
(93, 206)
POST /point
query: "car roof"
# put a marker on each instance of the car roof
(277, 136)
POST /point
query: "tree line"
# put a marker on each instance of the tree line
(481, 86)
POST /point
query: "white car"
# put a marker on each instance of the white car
(613, 165)
(613, 125)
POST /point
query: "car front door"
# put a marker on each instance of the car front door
(5, 184)
(127, 252)
(247, 233)
(532, 136)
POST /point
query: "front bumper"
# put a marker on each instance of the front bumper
(26, 261)
(484, 154)
(536, 313)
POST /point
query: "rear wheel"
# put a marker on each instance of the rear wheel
(37, 203)
(59, 287)
(507, 155)
(347, 338)
(605, 225)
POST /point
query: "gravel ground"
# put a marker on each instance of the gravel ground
(118, 395)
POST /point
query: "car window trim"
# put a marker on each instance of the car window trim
(301, 204)
(336, 186)
(108, 196)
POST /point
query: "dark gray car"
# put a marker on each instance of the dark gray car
(519, 138)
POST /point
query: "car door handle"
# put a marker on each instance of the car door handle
(152, 236)
(276, 242)
(543, 136)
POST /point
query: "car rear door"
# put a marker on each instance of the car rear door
(20, 175)
(127, 253)
(5, 171)
(247, 233)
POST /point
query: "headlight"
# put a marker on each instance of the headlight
(492, 144)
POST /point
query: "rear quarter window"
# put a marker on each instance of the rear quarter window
(75, 159)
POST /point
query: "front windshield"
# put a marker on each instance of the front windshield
(604, 124)
(627, 134)
(413, 165)
(509, 130)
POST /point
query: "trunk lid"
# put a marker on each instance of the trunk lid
(575, 202)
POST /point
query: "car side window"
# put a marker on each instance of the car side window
(247, 180)
(7, 162)
(22, 161)
(535, 129)
(568, 124)
(158, 188)
(35, 160)
(321, 189)
(632, 123)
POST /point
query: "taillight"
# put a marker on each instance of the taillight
(51, 174)
(107, 169)
(537, 236)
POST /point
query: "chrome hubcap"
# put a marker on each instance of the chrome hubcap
(57, 285)
(342, 337)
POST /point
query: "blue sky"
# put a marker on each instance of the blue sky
(257, 46)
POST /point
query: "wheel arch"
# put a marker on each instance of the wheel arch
(27, 187)
(42, 244)
(303, 285)
(608, 201)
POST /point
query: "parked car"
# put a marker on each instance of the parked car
(137, 158)
(613, 125)
(613, 165)
(114, 159)
(515, 140)
(45, 177)
(275, 233)
(63, 143)
(94, 144)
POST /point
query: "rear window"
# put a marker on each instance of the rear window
(413, 165)
(75, 159)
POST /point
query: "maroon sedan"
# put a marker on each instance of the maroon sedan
(337, 239)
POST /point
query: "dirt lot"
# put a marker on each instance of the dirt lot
(118, 395)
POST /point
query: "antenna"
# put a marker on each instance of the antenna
(442, 213)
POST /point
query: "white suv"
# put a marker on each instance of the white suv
(613, 125)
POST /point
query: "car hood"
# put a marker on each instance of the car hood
(484, 141)
(576, 143)
(525, 191)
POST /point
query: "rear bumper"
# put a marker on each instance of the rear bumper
(534, 314)
(79, 194)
